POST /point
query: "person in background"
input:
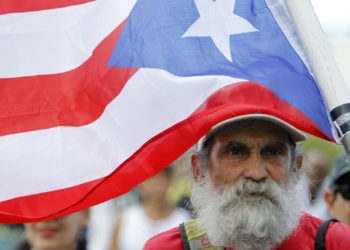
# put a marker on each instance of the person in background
(338, 194)
(316, 167)
(63, 233)
(10, 234)
(138, 223)
(102, 219)
(179, 192)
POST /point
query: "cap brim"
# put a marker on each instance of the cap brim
(294, 133)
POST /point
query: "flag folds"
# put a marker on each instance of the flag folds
(97, 96)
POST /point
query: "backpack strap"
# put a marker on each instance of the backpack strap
(320, 240)
(184, 237)
(194, 238)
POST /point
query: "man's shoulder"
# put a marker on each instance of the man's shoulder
(304, 235)
(170, 239)
(338, 235)
(334, 228)
(311, 222)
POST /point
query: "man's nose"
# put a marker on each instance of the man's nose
(255, 168)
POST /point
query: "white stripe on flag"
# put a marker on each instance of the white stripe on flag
(62, 157)
(57, 40)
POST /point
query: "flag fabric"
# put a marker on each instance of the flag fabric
(97, 96)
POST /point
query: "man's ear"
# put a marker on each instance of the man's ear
(195, 165)
(299, 161)
(329, 198)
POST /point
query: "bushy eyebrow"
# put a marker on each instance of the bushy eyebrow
(234, 144)
(238, 144)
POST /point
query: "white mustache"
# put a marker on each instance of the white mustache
(248, 190)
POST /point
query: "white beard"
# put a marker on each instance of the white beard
(249, 215)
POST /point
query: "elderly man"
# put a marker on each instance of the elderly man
(249, 192)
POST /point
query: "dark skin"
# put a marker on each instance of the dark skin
(257, 150)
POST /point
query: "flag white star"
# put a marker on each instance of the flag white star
(218, 22)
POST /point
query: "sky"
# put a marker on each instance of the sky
(334, 15)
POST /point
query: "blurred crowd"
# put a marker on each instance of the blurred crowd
(162, 202)
(126, 222)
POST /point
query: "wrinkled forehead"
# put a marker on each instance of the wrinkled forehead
(253, 129)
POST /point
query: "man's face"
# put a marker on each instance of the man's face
(247, 194)
(255, 150)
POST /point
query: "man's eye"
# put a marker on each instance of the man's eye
(235, 151)
(272, 152)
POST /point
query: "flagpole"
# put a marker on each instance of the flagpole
(328, 76)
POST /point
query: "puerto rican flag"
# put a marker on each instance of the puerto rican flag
(97, 96)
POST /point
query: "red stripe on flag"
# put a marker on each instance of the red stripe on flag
(15, 6)
(74, 98)
(160, 151)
